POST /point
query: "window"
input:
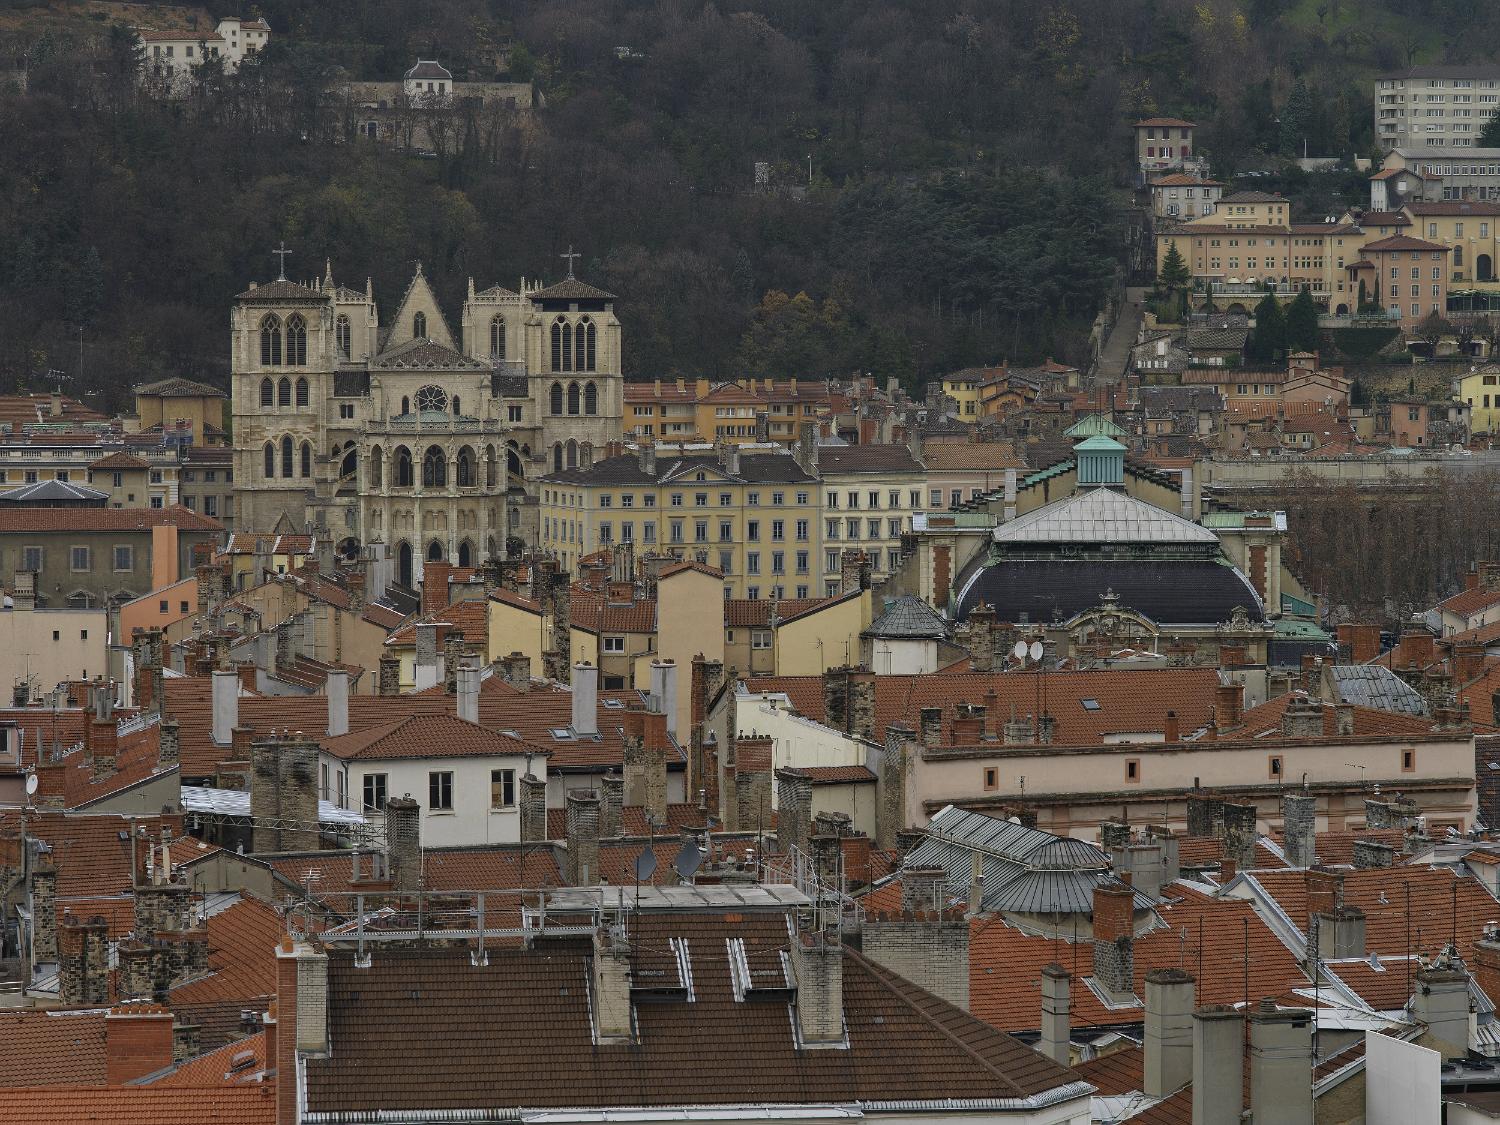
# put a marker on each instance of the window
(301, 391)
(267, 393)
(726, 531)
(296, 347)
(614, 644)
(851, 529)
(124, 559)
(1408, 761)
(777, 499)
(873, 498)
(341, 336)
(801, 498)
(802, 563)
(270, 341)
(802, 531)
(752, 530)
(439, 786)
(502, 788)
(306, 459)
(62, 474)
(162, 608)
(374, 785)
(700, 499)
(1132, 770)
(286, 456)
(873, 528)
(778, 562)
(752, 562)
(991, 778)
(78, 559)
(676, 531)
(760, 638)
(419, 325)
(726, 564)
(497, 338)
(556, 396)
(700, 531)
(590, 399)
(831, 560)
(1275, 767)
(284, 392)
(778, 531)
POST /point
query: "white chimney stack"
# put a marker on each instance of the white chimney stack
(336, 688)
(585, 699)
(664, 691)
(468, 691)
(226, 703)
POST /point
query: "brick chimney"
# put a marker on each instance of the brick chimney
(753, 756)
(515, 669)
(1240, 833)
(435, 586)
(1229, 704)
(818, 967)
(582, 868)
(137, 1041)
(44, 912)
(403, 830)
(1417, 648)
(533, 797)
(1169, 728)
(794, 809)
(1358, 644)
(1325, 891)
(931, 720)
(1468, 663)
(301, 1018)
(923, 889)
(1168, 1032)
(83, 956)
(388, 680)
(611, 806)
(1114, 940)
(170, 735)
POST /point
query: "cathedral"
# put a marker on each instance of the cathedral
(405, 433)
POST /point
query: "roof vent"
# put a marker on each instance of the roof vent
(241, 1061)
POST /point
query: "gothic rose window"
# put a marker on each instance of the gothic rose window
(431, 398)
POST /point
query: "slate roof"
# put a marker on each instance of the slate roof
(1168, 591)
(866, 459)
(571, 289)
(423, 354)
(280, 290)
(179, 388)
(1217, 339)
(908, 617)
(1254, 197)
(428, 68)
(768, 468)
(429, 1030)
(1374, 685)
(44, 492)
(1101, 515)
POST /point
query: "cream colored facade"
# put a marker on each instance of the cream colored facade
(1471, 231)
(869, 512)
(43, 647)
(811, 643)
(1433, 107)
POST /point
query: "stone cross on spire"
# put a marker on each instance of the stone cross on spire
(570, 256)
(282, 252)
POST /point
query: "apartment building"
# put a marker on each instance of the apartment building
(171, 56)
(1407, 276)
(1435, 106)
(742, 412)
(1164, 144)
(870, 493)
(1180, 195)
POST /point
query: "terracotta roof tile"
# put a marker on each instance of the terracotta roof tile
(426, 736)
(471, 618)
(139, 1105)
(595, 613)
(241, 956)
(1470, 601)
(223, 1066)
(50, 1048)
(103, 519)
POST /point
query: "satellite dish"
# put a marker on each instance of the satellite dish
(1037, 650)
(1020, 650)
(30, 784)
(645, 866)
(688, 860)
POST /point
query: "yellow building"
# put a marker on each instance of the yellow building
(1481, 390)
(743, 412)
(964, 388)
(1469, 229)
(184, 407)
(754, 516)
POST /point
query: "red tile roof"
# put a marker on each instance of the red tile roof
(139, 1105)
(242, 957)
(426, 736)
(103, 519)
(1403, 242)
(120, 460)
(838, 775)
(494, 867)
(1467, 602)
(595, 613)
(50, 1048)
(1368, 721)
(223, 1066)
(470, 618)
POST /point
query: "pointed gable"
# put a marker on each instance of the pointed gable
(419, 300)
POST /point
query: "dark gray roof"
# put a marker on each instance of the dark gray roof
(1216, 338)
(755, 468)
(1168, 591)
(429, 68)
(178, 388)
(281, 290)
(1374, 685)
(424, 355)
(350, 384)
(866, 459)
(1166, 400)
(908, 616)
(45, 493)
(571, 289)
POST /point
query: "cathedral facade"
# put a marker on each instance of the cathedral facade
(410, 435)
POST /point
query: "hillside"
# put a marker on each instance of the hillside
(942, 177)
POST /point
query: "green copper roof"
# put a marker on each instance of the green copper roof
(1100, 442)
(1093, 425)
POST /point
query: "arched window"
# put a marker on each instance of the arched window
(572, 454)
(490, 469)
(301, 391)
(590, 399)
(572, 398)
(434, 467)
(377, 467)
(403, 467)
(404, 565)
(584, 342)
(307, 459)
(405, 405)
(557, 456)
(349, 463)
(434, 551)
(456, 410)
(341, 336)
(296, 341)
(557, 346)
(284, 392)
(497, 338)
(270, 341)
(267, 393)
(286, 456)
(465, 554)
(556, 403)
(513, 467)
(419, 325)
(466, 477)
(567, 347)
(270, 460)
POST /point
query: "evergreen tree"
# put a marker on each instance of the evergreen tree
(1296, 119)
(1174, 273)
(1302, 323)
(1267, 341)
(1490, 137)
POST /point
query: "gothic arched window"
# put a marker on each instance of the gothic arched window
(284, 392)
(405, 405)
(306, 459)
(497, 338)
(270, 460)
(403, 467)
(567, 347)
(377, 466)
(584, 345)
(286, 456)
(341, 336)
(434, 467)
(557, 346)
(466, 475)
(572, 398)
(590, 399)
(419, 325)
(267, 393)
(270, 341)
(296, 341)
(557, 456)
(301, 391)
(557, 398)
(456, 409)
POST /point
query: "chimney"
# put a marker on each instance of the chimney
(836, 698)
(44, 912)
(389, 676)
(982, 638)
(137, 1041)
(336, 688)
(1343, 719)
(1114, 835)
(1057, 999)
(1486, 960)
(435, 586)
(1142, 863)
(1229, 704)
(1168, 1032)
(467, 695)
(1468, 663)
(931, 719)
(818, 966)
(729, 457)
(1114, 940)
(1169, 728)
(664, 691)
(862, 703)
(1171, 862)
(1303, 718)
(611, 806)
(611, 979)
(83, 962)
(924, 889)
(893, 766)
(515, 670)
(1441, 1001)
(1281, 1064)
(23, 590)
(1338, 934)
(794, 809)
(1240, 834)
(1358, 644)
(1417, 648)
(533, 809)
(1218, 1065)
(585, 699)
(226, 706)
(645, 454)
(403, 833)
(1299, 813)
(1371, 854)
(428, 661)
(301, 1017)
(583, 839)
